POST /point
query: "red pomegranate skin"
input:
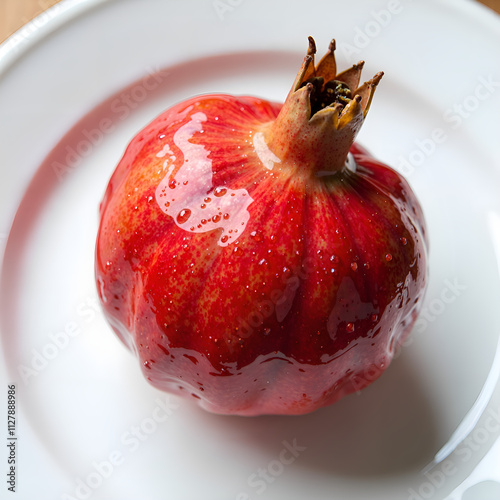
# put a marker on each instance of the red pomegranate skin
(253, 285)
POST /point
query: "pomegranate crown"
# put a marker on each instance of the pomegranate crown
(322, 113)
(338, 94)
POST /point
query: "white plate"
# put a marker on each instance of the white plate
(78, 83)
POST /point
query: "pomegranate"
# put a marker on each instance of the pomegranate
(253, 256)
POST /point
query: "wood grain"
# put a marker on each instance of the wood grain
(16, 13)
(492, 4)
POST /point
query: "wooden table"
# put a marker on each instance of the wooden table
(15, 13)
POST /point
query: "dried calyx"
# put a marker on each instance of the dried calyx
(322, 114)
(329, 89)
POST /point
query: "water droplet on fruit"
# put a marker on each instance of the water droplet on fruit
(354, 266)
(183, 216)
(108, 264)
(172, 183)
(388, 257)
(203, 205)
(350, 327)
(220, 191)
(203, 221)
(216, 218)
(225, 216)
(207, 200)
(374, 317)
(147, 365)
(224, 239)
(150, 199)
(404, 241)
(256, 236)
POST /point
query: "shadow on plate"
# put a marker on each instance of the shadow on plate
(388, 428)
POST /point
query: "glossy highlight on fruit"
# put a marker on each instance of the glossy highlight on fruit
(253, 256)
